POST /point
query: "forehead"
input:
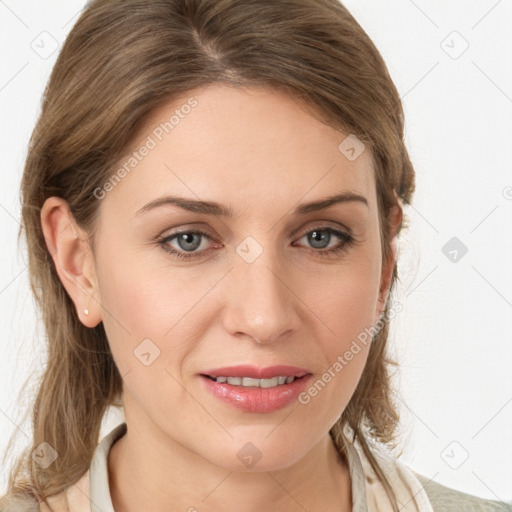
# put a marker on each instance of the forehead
(236, 145)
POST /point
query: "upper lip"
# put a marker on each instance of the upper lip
(254, 372)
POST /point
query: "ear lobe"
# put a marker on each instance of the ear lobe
(73, 259)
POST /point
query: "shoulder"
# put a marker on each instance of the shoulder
(73, 498)
(444, 499)
(18, 503)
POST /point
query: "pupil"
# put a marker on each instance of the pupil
(186, 239)
(317, 238)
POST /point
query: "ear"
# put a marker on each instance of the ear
(394, 225)
(69, 247)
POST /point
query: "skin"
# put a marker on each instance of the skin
(260, 153)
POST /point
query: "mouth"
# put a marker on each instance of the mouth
(254, 389)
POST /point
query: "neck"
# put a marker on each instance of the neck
(149, 471)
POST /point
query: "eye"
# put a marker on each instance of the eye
(188, 243)
(321, 236)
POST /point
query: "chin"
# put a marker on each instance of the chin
(257, 453)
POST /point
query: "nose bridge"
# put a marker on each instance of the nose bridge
(261, 305)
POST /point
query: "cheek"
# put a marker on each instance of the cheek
(343, 348)
(143, 292)
(345, 297)
(345, 302)
(150, 309)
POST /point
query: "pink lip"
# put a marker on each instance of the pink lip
(254, 399)
(257, 373)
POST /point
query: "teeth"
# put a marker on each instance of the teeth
(261, 383)
(266, 383)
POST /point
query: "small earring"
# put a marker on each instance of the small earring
(86, 311)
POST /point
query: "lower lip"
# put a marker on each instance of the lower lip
(253, 399)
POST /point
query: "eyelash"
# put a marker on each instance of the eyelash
(348, 239)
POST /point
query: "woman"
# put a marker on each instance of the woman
(211, 200)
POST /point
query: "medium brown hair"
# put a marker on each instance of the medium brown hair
(123, 59)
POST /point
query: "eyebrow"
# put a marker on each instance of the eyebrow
(218, 210)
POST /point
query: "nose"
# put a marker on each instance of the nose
(263, 305)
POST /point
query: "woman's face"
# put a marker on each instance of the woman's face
(258, 289)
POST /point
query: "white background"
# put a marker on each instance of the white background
(453, 337)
